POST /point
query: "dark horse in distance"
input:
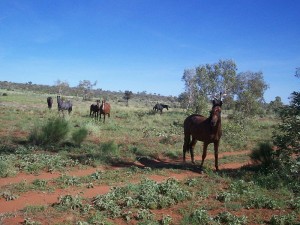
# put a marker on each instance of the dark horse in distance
(95, 109)
(49, 102)
(208, 130)
(160, 107)
(64, 105)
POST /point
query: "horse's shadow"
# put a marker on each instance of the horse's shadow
(148, 162)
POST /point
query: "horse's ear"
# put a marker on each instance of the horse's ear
(217, 102)
(214, 102)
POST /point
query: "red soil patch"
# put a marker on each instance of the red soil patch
(42, 198)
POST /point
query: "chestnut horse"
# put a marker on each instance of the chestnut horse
(105, 110)
(208, 130)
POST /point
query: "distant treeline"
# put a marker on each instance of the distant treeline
(76, 91)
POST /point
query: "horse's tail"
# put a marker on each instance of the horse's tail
(70, 108)
(187, 136)
(91, 109)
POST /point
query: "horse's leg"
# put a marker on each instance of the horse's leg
(216, 149)
(192, 147)
(104, 118)
(186, 145)
(204, 152)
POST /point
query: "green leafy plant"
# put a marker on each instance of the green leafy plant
(199, 216)
(71, 202)
(289, 219)
(259, 202)
(228, 218)
(6, 168)
(166, 220)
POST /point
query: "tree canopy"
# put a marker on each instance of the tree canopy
(207, 81)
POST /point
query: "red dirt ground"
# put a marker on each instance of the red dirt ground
(48, 198)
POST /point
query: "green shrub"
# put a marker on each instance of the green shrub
(6, 169)
(289, 219)
(198, 216)
(109, 149)
(228, 218)
(79, 135)
(263, 154)
(261, 202)
(53, 132)
(70, 202)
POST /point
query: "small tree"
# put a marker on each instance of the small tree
(86, 87)
(127, 96)
(61, 86)
(207, 80)
(287, 139)
(250, 88)
(275, 105)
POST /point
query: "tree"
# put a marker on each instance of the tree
(183, 99)
(249, 89)
(287, 137)
(61, 86)
(275, 105)
(86, 87)
(205, 81)
(127, 96)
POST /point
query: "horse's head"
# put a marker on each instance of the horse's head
(215, 115)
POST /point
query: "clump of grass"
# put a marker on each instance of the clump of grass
(79, 135)
(109, 149)
(6, 169)
(53, 132)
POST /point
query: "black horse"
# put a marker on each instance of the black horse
(160, 107)
(64, 105)
(95, 109)
(49, 102)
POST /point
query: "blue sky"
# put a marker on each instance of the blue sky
(145, 45)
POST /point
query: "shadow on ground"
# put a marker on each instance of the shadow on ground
(152, 163)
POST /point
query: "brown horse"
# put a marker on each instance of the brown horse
(105, 110)
(208, 130)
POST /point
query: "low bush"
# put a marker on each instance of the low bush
(263, 154)
(79, 135)
(52, 133)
